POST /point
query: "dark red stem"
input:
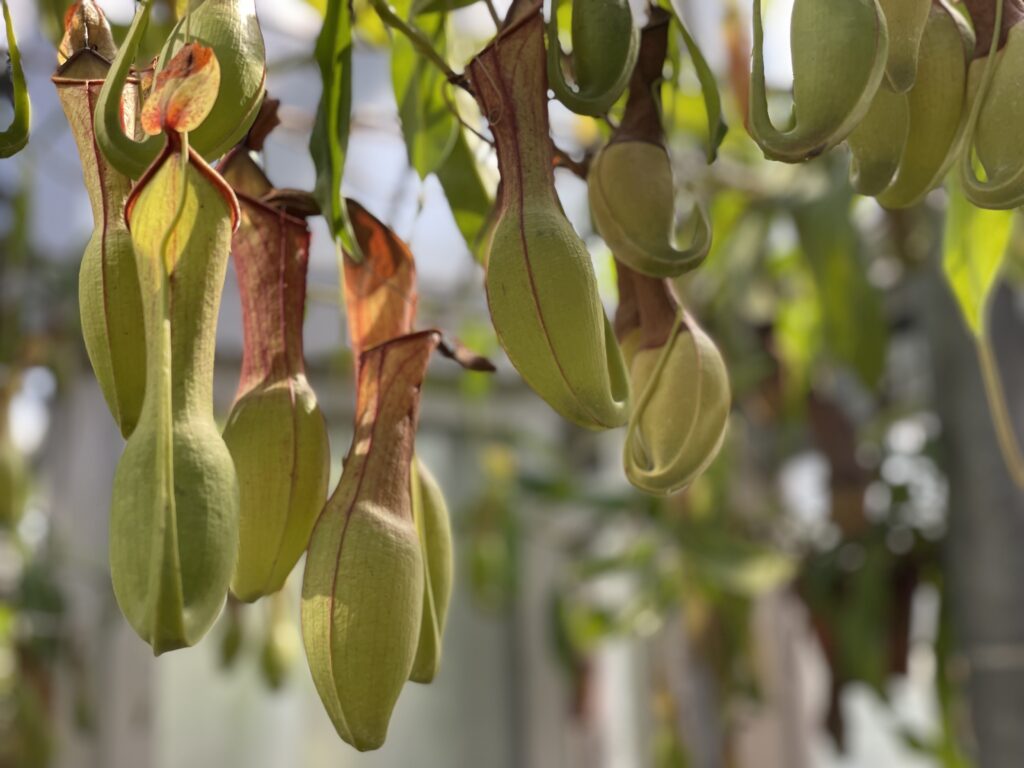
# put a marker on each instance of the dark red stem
(983, 14)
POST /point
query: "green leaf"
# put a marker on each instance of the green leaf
(51, 19)
(420, 7)
(855, 328)
(329, 142)
(433, 135)
(717, 127)
(734, 564)
(467, 194)
(428, 124)
(15, 138)
(798, 327)
(973, 251)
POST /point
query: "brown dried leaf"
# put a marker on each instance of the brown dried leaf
(184, 92)
(86, 28)
(380, 291)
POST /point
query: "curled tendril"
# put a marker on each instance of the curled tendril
(937, 107)
(230, 28)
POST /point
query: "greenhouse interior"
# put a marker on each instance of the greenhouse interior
(511, 384)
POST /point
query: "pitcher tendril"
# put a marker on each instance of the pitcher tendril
(605, 43)
(908, 140)
(420, 41)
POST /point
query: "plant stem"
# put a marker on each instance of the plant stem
(419, 41)
(1001, 419)
(454, 109)
(494, 13)
(579, 167)
(984, 16)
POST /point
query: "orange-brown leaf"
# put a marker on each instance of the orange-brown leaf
(184, 92)
(380, 291)
(86, 28)
(271, 255)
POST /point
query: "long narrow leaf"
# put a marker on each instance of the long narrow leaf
(468, 197)
(329, 142)
(428, 124)
(717, 127)
(380, 291)
(15, 138)
(854, 325)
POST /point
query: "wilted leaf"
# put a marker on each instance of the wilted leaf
(380, 291)
(184, 92)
